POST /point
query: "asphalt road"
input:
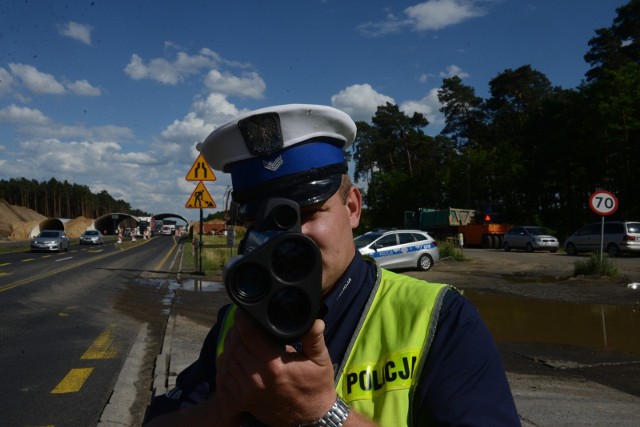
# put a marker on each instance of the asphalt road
(68, 321)
(103, 302)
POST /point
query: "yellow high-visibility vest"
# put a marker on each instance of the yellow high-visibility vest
(386, 356)
(384, 360)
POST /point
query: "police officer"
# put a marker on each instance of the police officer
(387, 350)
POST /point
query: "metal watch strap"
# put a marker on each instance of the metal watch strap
(335, 417)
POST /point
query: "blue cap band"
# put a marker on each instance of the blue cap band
(299, 158)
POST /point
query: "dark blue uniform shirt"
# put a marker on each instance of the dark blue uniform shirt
(463, 382)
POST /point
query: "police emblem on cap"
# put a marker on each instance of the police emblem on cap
(261, 133)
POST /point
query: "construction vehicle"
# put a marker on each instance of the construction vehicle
(468, 227)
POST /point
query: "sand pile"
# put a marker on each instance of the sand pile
(77, 226)
(14, 219)
(16, 222)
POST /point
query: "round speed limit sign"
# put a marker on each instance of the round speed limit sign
(603, 202)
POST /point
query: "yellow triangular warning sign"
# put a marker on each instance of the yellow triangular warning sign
(200, 198)
(200, 171)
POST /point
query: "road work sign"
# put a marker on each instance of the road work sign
(200, 198)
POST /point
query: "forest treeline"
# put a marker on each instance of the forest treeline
(534, 149)
(61, 199)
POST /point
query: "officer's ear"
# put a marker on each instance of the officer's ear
(354, 206)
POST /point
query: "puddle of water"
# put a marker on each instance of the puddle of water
(513, 319)
(202, 285)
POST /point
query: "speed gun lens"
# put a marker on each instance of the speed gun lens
(251, 282)
(292, 259)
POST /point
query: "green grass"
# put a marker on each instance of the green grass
(595, 266)
(213, 258)
(449, 250)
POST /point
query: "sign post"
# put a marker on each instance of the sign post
(200, 198)
(603, 203)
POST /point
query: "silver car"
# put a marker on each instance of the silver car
(400, 248)
(529, 238)
(91, 237)
(619, 237)
(50, 240)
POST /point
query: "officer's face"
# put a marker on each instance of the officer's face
(330, 225)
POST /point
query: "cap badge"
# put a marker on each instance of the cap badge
(262, 134)
(273, 165)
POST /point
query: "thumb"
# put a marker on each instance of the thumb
(313, 345)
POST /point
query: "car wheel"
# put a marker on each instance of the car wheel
(425, 262)
(506, 246)
(613, 250)
(570, 249)
(529, 247)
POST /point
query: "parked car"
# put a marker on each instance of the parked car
(619, 237)
(400, 248)
(529, 238)
(92, 237)
(50, 240)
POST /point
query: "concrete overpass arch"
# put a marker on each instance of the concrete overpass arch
(47, 224)
(109, 223)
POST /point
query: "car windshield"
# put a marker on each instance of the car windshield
(90, 233)
(537, 231)
(49, 234)
(365, 239)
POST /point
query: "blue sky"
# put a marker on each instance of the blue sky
(115, 94)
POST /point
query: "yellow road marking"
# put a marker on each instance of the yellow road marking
(73, 381)
(9, 286)
(163, 260)
(5, 264)
(102, 347)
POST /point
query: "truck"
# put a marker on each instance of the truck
(484, 229)
(168, 229)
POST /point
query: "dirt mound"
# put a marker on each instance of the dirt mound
(12, 213)
(16, 222)
(77, 226)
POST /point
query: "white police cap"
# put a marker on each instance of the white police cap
(261, 133)
(294, 151)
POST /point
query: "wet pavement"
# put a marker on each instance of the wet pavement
(572, 360)
(554, 383)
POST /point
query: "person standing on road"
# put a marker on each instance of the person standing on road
(388, 350)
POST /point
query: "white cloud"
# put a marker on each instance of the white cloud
(170, 72)
(429, 106)
(360, 101)
(250, 85)
(6, 82)
(37, 82)
(205, 115)
(83, 88)
(74, 30)
(23, 116)
(454, 70)
(431, 15)
(437, 14)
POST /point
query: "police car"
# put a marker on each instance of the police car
(400, 248)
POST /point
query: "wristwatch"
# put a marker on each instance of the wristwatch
(335, 417)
